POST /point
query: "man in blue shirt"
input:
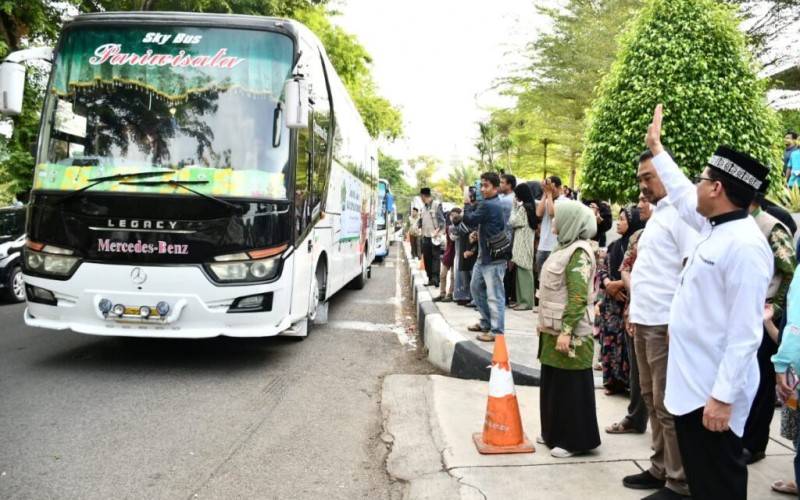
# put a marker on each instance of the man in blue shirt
(791, 159)
(487, 276)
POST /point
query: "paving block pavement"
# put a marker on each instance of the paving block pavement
(430, 419)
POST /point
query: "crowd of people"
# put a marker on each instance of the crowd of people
(696, 307)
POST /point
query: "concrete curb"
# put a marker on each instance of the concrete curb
(447, 348)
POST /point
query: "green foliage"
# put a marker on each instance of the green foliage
(352, 63)
(690, 56)
(789, 198)
(790, 120)
(557, 85)
(277, 8)
(424, 167)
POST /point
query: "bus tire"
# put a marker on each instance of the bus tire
(318, 307)
(360, 281)
(14, 286)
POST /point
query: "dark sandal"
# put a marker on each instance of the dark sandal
(621, 427)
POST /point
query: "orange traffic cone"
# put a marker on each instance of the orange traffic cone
(502, 430)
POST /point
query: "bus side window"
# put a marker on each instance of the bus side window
(321, 127)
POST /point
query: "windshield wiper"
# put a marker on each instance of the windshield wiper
(99, 180)
(185, 185)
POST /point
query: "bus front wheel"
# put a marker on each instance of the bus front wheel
(318, 305)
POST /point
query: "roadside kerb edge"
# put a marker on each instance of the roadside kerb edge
(447, 348)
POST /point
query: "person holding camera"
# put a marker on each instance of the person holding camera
(602, 215)
(494, 247)
(545, 210)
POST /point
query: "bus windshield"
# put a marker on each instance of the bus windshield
(199, 104)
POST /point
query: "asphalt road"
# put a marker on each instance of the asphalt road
(96, 418)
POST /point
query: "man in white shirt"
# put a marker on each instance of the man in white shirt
(664, 247)
(717, 316)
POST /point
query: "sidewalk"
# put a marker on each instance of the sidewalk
(430, 421)
(454, 349)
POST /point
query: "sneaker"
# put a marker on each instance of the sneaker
(477, 328)
(665, 494)
(643, 481)
(540, 440)
(559, 452)
(485, 337)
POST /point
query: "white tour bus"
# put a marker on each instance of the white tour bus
(385, 219)
(197, 175)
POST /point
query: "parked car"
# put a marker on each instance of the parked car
(12, 238)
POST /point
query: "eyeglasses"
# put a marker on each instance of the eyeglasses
(698, 179)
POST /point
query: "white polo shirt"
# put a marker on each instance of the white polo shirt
(716, 322)
(665, 244)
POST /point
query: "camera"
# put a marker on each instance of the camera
(475, 192)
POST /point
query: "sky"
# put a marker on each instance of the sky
(438, 60)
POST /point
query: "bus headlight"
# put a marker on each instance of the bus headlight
(254, 270)
(49, 260)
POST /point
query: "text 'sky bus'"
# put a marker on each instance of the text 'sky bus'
(385, 219)
(197, 175)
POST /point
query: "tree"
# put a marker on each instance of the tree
(20, 24)
(768, 21)
(790, 120)
(557, 84)
(352, 63)
(38, 22)
(690, 56)
(424, 167)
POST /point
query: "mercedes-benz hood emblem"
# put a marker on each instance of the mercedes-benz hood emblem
(138, 275)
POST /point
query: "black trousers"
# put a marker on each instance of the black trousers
(713, 462)
(510, 285)
(637, 409)
(430, 256)
(756, 430)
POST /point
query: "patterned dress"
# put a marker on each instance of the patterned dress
(613, 349)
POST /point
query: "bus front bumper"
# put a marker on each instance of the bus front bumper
(197, 307)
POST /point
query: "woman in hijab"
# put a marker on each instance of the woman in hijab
(613, 350)
(566, 346)
(538, 192)
(523, 221)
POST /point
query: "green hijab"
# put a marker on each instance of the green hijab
(574, 221)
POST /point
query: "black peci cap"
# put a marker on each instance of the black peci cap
(740, 168)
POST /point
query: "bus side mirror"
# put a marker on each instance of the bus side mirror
(295, 92)
(12, 85)
(390, 203)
